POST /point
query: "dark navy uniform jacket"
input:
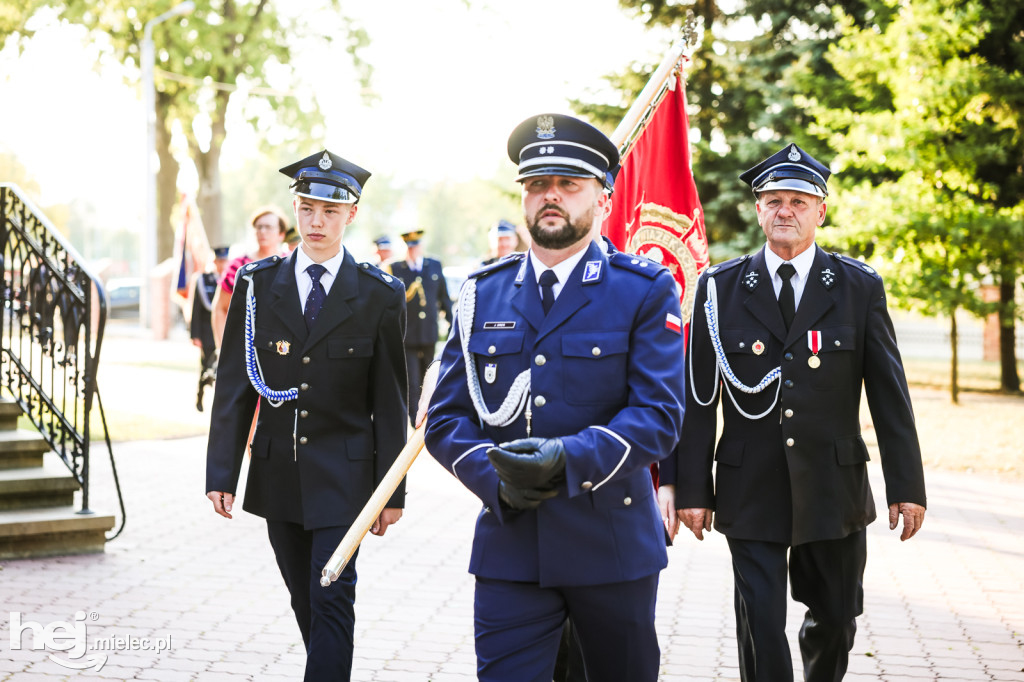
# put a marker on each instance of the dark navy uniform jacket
(200, 326)
(797, 474)
(605, 367)
(315, 460)
(422, 311)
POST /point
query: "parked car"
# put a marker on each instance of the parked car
(123, 296)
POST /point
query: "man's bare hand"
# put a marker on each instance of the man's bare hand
(387, 517)
(221, 502)
(913, 517)
(697, 520)
(667, 504)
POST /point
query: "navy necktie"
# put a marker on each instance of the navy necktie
(548, 279)
(787, 297)
(316, 295)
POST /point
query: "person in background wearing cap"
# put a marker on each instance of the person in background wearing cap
(791, 333)
(200, 324)
(426, 295)
(383, 252)
(270, 225)
(558, 389)
(315, 339)
(504, 240)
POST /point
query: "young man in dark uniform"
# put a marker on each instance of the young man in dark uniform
(557, 390)
(316, 339)
(201, 325)
(790, 334)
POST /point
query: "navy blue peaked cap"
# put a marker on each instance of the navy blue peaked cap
(555, 144)
(327, 177)
(789, 168)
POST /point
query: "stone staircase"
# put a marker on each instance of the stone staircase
(38, 515)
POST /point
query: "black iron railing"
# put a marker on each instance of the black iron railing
(54, 312)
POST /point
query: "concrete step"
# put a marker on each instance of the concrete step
(10, 411)
(55, 531)
(21, 448)
(49, 485)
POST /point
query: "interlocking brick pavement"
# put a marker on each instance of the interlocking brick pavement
(947, 605)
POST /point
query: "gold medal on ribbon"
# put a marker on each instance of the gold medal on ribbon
(814, 343)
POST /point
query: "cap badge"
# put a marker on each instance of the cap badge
(545, 127)
(751, 279)
(325, 161)
(793, 155)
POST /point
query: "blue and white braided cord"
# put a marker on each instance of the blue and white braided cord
(722, 367)
(252, 361)
(518, 393)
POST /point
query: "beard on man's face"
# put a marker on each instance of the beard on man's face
(569, 233)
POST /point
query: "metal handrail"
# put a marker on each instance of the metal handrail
(54, 314)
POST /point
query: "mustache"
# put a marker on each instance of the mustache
(552, 207)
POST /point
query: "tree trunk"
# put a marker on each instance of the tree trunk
(1009, 380)
(954, 381)
(207, 163)
(166, 180)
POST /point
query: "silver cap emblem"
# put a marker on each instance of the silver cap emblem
(325, 162)
(545, 127)
(793, 155)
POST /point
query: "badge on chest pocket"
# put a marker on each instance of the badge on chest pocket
(490, 372)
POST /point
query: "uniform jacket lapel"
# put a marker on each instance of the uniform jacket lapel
(336, 308)
(761, 302)
(573, 295)
(817, 299)
(286, 299)
(526, 299)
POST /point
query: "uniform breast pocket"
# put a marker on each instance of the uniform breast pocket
(837, 356)
(746, 350)
(499, 360)
(594, 366)
(273, 347)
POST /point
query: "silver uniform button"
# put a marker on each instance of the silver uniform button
(492, 350)
(595, 351)
(540, 401)
(789, 413)
(423, 315)
(305, 360)
(628, 501)
(303, 440)
(838, 343)
(790, 442)
(540, 360)
(303, 387)
(586, 485)
(304, 413)
(742, 345)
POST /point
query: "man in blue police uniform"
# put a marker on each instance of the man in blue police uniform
(426, 296)
(572, 390)
(383, 252)
(200, 324)
(504, 240)
(316, 340)
(790, 334)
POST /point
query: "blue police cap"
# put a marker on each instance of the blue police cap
(789, 168)
(327, 177)
(383, 240)
(221, 252)
(555, 144)
(504, 228)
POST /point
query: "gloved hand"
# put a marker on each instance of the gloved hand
(522, 499)
(536, 463)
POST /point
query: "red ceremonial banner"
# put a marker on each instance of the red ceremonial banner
(655, 208)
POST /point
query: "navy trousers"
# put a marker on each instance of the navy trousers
(519, 625)
(326, 616)
(826, 576)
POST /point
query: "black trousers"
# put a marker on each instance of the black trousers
(826, 576)
(326, 616)
(417, 358)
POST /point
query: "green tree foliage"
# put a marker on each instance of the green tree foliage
(927, 126)
(223, 50)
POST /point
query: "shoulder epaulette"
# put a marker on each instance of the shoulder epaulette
(725, 265)
(634, 262)
(263, 264)
(512, 258)
(856, 265)
(376, 273)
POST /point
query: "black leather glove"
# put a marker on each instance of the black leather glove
(522, 499)
(537, 463)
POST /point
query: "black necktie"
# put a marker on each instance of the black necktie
(316, 295)
(787, 297)
(548, 279)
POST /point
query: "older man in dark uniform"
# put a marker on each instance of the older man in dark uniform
(426, 295)
(558, 389)
(316, 339)
(790, 334)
